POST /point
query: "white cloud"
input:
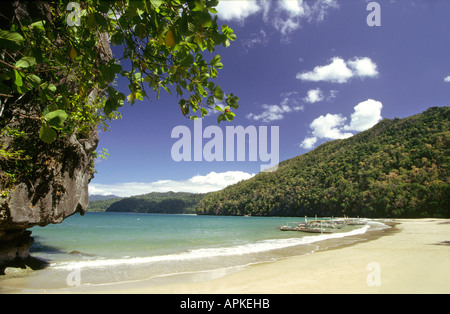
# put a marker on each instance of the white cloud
(447, 79)
(213, 181)
(293, 7)
(314, 95)
(308, 142)
(365, 116)
(285, 27)
(363, 67)
(270, 113)
(237, 9)
(329, 126)
(332, 126)
(255, 39)
(290, 103)
(339, 71)
(335, 72)
(318, 9)
(285, 15)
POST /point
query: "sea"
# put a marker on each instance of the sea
(107, 248)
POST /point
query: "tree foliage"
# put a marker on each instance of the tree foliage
(162, 203)
(399, 168)
(55, 59)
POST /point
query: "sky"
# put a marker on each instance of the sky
(305, 71)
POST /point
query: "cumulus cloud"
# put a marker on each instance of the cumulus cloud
(308, 142)
(329, 127)
(340, 71)
(237, 9)
(447, 79)
(290, 102)
(363, 67)
(213, 181)
(314, 95)
(365, 116)
(333, 126)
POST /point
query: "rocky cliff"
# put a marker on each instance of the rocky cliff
(56, 183)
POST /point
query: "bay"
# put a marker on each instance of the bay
(105, 248)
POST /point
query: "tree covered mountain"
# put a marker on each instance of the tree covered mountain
(398, 168)
(156, 202)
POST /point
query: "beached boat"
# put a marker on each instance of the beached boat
(316, 230)
(356, 222)
(311, 227)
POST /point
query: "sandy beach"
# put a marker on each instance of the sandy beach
(411, 257)
(414, 257)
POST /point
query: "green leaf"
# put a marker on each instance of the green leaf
(187, 61)
(214, 72)
(25, 62)
(215, 60)
(221, 117)
(140, 30)
(117, 38)
(157, 3)
(96, 20)
(210, 101)
(56, 118)
(11, 37)
(47, 134)
(218, 93)
(232, 101)
(169, 39)
(167, 89)
(33, 80)
(201, 90)
(179, 90)
(18, 79)
(51, 87)
(229, 115)
(203, 18)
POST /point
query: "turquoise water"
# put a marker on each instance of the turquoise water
(114, 247)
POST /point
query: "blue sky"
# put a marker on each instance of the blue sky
(314, 69)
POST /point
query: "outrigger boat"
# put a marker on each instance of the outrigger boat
(323, 226)
(356, 222)
(315, 226)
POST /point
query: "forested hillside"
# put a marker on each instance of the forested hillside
(155, 202)
(398, 168)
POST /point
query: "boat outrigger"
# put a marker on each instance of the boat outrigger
(322, 226)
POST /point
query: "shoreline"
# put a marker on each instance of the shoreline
(410, 257)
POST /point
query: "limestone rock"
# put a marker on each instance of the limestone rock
(56, 186)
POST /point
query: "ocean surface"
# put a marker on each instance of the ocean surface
(105, 248)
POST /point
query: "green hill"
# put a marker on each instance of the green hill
(98, 203)
(155, 202)
(398, 168)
